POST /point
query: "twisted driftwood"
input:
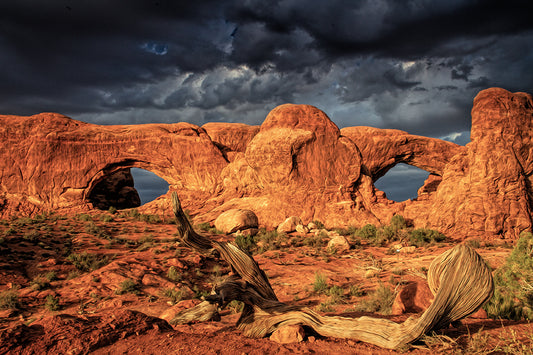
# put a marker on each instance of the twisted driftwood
(459, 279)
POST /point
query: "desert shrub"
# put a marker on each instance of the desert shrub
(127, 286)
(422, 236)
(367, 232)
(206, 226)
(326, 306)
(473, 243)
(84, 217)
(380, 300)
(384, 234)
(336, 293)
(106, 218)
(173, 274)
(147, 238)
(112, 210)
(236, 306)
(88, 262)
(39, 283)
(9, 299)
(269, 240)
(356, 291)
(32, 236)
(245, 242)
(513, 283)
(348, 231)
(173, 295)
(397, 222)
(321, 284)
(10, 231)
(318, 224)
(52, 303)
(316, 241)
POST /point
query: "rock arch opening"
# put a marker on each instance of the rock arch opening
(149, 186)
(402, 182)
(115, 190)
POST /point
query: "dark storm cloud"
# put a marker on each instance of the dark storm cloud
(414, 65)
(98, 57)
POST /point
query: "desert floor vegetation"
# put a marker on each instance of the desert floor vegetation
(89, 263)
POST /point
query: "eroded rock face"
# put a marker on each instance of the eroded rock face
(297, 163)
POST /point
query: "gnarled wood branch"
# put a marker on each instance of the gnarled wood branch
(459, 279)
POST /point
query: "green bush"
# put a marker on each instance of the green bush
(367, 232)
(9, 299)
(84, 217)
(321, 284)
(127, 286)
(52, 303)
(88, 262)
(384, 234)
(397, 222)
(422, 236)
(39, 283)
(173, 295)
(513, 283)
(206, 226)
(32, 236)
(107, 218)
(318, 224)
(380, 300)
(173, 274)
(269, 240)
(245, 242)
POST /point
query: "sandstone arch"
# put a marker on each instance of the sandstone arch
(296, 163)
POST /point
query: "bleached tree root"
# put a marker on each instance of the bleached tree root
(459, 279)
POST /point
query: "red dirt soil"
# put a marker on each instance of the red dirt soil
(94, 318)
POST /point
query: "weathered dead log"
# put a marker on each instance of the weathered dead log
(459, 279)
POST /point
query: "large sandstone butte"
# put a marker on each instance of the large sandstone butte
(297, 162)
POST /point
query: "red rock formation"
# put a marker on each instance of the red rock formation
(486, 189)
(51, 162)
(297, 163)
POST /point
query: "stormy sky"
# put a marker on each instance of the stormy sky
(413, 65)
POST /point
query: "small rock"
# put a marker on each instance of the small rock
(236, 219)
(288, 334)
(6, 313)
(302, 229)
(312, 226)
(408, 250)
(321, 231)
(479, 314)
(289, 225)
(339, 243)
(414, 297)
(176, 263)
(249, 232)
(371, 273)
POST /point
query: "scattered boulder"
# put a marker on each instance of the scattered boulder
(288, 334)
(302, 229)
(289, 225)
(414, 297)
(236, 219)
(339, 243)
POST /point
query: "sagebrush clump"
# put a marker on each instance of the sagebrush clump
(513, 283)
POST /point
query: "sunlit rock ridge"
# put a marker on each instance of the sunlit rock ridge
(297, 163)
